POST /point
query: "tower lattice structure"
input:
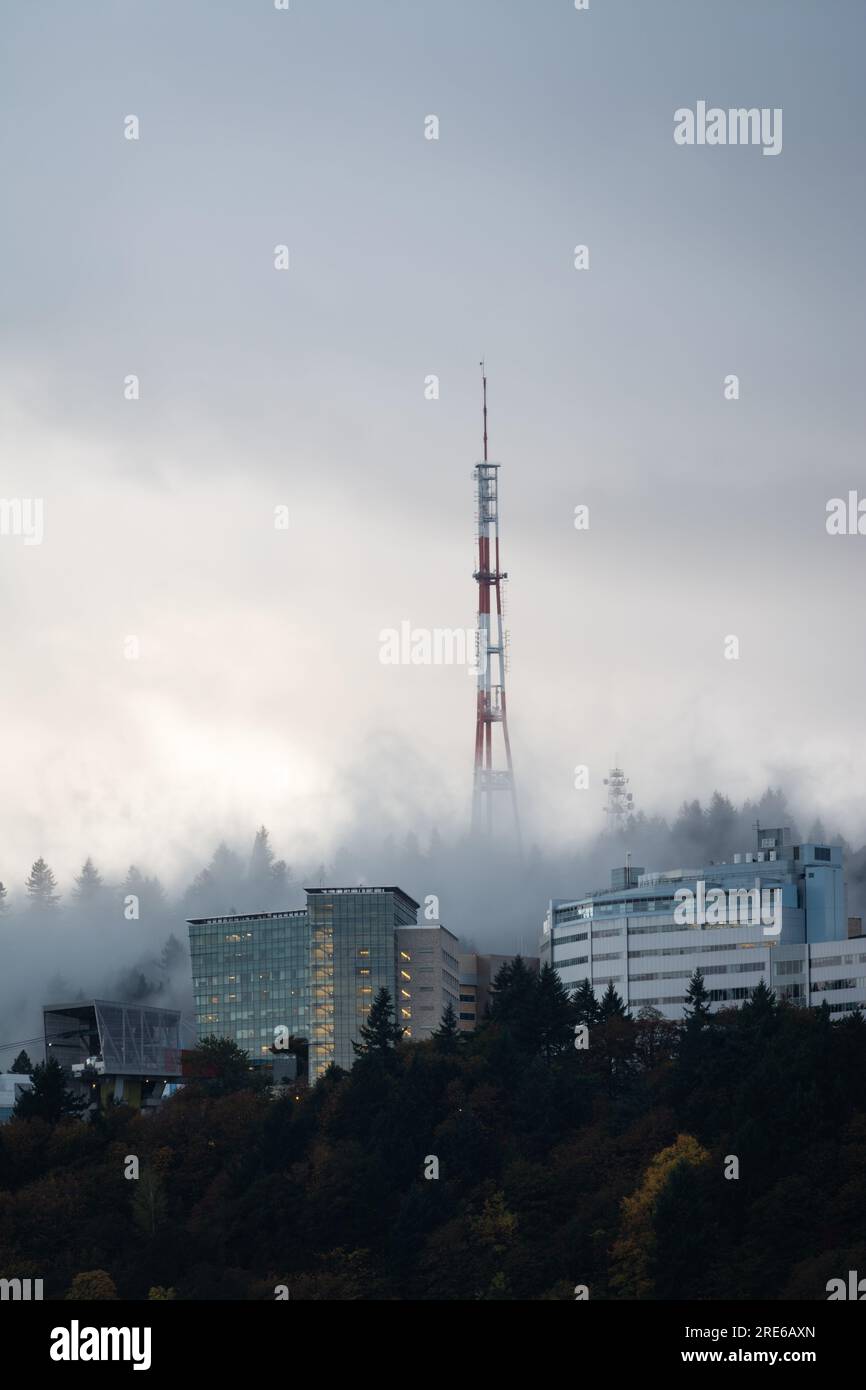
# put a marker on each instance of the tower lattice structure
(491, 709)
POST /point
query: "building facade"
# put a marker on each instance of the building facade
(775, 914)
(113, 1051)
(315, 972)
(427, 977)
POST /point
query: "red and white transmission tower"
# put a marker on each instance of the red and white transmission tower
(491, 638)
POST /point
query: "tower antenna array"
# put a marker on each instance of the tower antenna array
(491, 709)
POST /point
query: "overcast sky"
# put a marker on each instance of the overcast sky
(258, 693)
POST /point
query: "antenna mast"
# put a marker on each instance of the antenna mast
(492, 640)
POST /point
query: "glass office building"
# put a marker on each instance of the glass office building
(315, 972)
(251, 975)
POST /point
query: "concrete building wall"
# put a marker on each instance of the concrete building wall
(426, 973)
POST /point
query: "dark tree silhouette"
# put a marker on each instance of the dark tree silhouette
(447, 1035)
(380, 1033)
(50, 1099)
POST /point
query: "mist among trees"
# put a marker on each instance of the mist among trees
(123, 936)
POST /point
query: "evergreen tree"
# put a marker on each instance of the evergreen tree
(513, 1003)
(154, 894)
(721, 827)
(267, 877)
(760, 1010)
(585, 1004)
(41, 885)
(611, 1005)
(151, 894)
(555, 1013)
(4, 898)
(261, 858)
(88, 884)
(447, 1035)
(133, 883)
(697, 1006)
(49, 1099)
(380, 1033)
(22, 1066)
(173, 954)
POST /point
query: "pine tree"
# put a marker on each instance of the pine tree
(172, 954)
(697, 1009)
(262, 855)
(555, 1013)
(88, 884)
(380, 1033)
(611, 1005)
(447, 1035)
(585, 1004)
(697, 1033)
(760, 1010)
(22, 1066)
(697, 1006)
(514, 1004)
(41, 885)
(49, 1099)
(4, 898)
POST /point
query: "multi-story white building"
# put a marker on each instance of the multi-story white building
(776, 914)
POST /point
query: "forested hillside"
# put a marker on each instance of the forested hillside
(558, 1166)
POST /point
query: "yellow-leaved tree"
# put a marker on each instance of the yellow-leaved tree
(632, 1250)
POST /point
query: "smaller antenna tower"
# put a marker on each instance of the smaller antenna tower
(620, 803)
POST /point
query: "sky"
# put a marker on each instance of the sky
(179, 669)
